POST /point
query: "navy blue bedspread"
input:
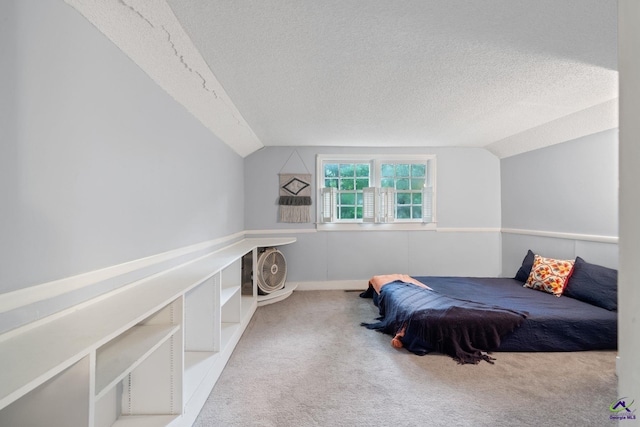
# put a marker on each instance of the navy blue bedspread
(550, 323)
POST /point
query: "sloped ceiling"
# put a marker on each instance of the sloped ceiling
(508, 75)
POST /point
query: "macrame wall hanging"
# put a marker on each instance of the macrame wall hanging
(295, 194)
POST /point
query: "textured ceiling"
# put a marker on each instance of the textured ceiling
(508, 75)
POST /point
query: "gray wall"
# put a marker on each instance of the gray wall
(468, 191)
(98, 165)
(566, 188)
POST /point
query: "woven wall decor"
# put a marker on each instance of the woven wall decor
(295, 197)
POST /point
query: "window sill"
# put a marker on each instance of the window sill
(391, 226)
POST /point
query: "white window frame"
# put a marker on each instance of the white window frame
(381, 220)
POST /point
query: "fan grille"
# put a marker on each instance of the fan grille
(272, 270)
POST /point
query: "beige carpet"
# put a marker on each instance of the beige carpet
(306, 361)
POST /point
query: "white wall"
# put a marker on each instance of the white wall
(628, 285)
(468, 212)
(98, 165)
(562, 201)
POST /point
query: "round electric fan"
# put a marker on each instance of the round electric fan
(272, 271)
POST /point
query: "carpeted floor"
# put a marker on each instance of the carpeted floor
(306, 361)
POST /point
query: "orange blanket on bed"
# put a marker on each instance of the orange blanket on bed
(379, 281)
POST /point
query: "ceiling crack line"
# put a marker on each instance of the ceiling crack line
(137, 12)
(187, 66)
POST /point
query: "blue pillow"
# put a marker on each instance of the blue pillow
(594, 284)
(527, 263)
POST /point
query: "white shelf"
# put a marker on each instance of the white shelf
(228, 330)
(197, 365)
(145, 420)
(63, 400)
(276, 296)
(136, 336)
(120, 356)
(227, 293)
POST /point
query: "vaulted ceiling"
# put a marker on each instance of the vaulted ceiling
(508, 75)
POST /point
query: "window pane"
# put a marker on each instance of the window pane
(416, 198)
(331, 183)
(359, 212)
(387, 182)
(347, 212)
(417, 212)
(362, 169)
(361, 183)
(330, 170)
(402, 184)
(402, 170)
(388, 170)
(359, 201)
(347, 198)
(404, 198)
(418, 170)
(417, 184)
(347, 184)
(404, 212)
(347, 170)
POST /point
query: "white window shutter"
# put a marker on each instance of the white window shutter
(329, 204)
(428, 205)
(369, 202)
(387, 204)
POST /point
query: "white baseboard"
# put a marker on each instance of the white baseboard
(333, 285)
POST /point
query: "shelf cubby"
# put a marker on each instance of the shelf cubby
(144, 355)
(62, 400)
(200, 328)
(120, 356)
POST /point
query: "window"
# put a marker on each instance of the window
(349, 179)
(376, 189)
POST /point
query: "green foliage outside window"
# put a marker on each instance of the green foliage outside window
(408, 179)
(349, 179)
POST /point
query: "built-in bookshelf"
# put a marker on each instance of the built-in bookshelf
(147, 354)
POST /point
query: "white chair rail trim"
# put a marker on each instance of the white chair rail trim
(32, 294)
(561, 235)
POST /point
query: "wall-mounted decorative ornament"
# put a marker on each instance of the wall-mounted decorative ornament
(295, 197)
(295, 194)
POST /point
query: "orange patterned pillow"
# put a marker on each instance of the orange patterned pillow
(549, 275)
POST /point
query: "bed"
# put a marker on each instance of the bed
(468, 318)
